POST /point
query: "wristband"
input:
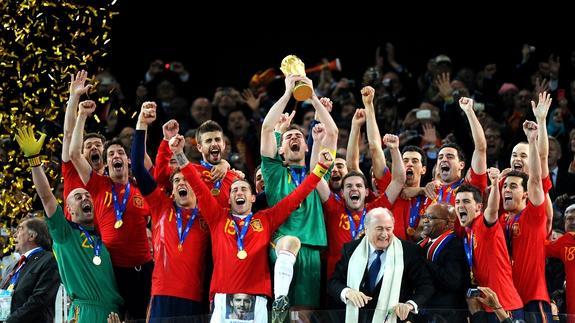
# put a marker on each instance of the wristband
(332, 152)
(34, 161)
(320, 170)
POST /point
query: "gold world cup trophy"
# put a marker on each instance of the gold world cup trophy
(292, 65)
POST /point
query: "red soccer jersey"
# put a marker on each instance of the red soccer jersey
(491, 266)
(162, 172)
(251, 275)
(564, 249)
(71, 181)
(528, 233)
(128, 245)
(177, 273)
(401, 211)
(339, 228)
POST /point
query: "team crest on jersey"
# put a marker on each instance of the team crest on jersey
(515, 230)
(207, 176)
(138, 201)
(256, 224)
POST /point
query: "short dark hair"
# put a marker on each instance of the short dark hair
(460, 153)
(292, 126)
(256, 172)
(39, 227)
(524, 176)
(471, 189)
(207, 126)
(353, 173)
(417, 150)
(112, 142)
(93, 135)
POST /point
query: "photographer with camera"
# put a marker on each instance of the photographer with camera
(487, 297)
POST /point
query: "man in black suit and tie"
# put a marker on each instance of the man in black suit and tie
(381, 273)
(34, 280)
(447, 264)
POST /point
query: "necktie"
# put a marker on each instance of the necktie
(374, 270)
(20, 262)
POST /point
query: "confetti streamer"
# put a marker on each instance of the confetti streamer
(41, 43)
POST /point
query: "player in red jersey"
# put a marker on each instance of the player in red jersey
(180, 234)
(525, 228)
(451, 162)
(121, 216)
(215, 170)
(485, 247)
(564, 249)
(520, 154)
(240, 238)
(344, 215)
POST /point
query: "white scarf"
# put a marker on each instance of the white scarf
(391, 284)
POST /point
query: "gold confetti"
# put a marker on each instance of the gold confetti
(41, 43)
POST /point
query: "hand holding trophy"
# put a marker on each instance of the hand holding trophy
(292, 65)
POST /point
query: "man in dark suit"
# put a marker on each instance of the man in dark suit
(34, 280)
(447, 264)
(562, 180)
(387, 293)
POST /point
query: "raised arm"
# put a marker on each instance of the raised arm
(162, 169)
(31, 149)
(146, 182)
(479, 158)
(540, 111)
(318, 133)
(208, 205)
(534, 184)
(352, 152)
(323, 106)
(373, 136)
(397, 168)
(268, 147)
(77, 89)
(492, 210)
(86, 108)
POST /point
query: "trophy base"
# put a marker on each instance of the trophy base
(302, 92)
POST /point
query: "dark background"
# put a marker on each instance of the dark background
(218, 50)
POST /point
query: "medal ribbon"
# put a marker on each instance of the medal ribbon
(468, 245)
(354, 232)
(297, 178)
(179, 221)
(414, 212)
(240, 236)
(450, 189)
(217, 184)
(439, 244)
(95, 244)
(120, 209)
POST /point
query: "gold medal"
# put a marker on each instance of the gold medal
(410, 231)
(215, 191)
(242, 254)
(118, 224)
(10, 288)
(473, 281)
(97, 260)
(180, 247)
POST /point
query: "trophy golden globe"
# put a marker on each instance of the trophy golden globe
(292, 65)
